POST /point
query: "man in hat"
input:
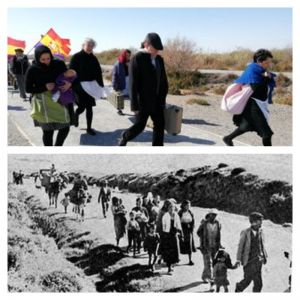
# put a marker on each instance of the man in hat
(18, 68)
(148, 89)
(252, 254)
(209, 233)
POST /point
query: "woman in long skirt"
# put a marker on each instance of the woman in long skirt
(171, 229)
(119, 212)
(187, 245)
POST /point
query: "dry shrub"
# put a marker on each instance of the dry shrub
(197, 101)
(239, 58)
(180, 54)
(108, 57)
(285, 99)
(283, 81)
(219, 90)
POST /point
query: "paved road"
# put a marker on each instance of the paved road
(108, 124)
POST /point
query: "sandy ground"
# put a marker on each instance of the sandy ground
(213, 119)
(188, 278)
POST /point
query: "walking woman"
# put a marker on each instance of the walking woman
(148, 89)
(171, 229)
(187, 220)
(119, 212)
(256, 114)
(40, 81)
(88, 70)
(120, 76)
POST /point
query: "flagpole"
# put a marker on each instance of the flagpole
(35, 45)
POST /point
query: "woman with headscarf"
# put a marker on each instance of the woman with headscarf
(256, 114)
(88, 70)
(120, 77)
(187, 220)
(119, 212)
(40, 82)
(171, 229)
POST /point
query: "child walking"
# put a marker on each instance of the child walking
(65, 202)
(151, 245)
(133, 230)
(221, 263)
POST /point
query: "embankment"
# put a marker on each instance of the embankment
(49, 252)
(231, 190)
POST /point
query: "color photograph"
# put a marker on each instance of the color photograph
(150, 76)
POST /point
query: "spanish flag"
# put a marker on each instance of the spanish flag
(59, 47)
(13, 44)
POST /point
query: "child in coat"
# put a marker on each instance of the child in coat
(151, 243)
(221, 263)
(133, 230)
(65, 202)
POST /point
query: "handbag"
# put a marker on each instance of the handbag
(235, 98)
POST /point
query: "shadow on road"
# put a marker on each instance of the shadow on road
(112, 139)
(185, 287)
(198, 122)
(16, 108)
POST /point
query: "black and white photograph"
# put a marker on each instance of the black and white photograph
(150, 223)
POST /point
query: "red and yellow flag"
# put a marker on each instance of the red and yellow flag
(13, 44)
(59, 46)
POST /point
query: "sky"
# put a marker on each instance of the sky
(212, 29)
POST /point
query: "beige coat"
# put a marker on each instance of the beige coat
(245, 245)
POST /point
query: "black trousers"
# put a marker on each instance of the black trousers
(252, 272)
(140, 124)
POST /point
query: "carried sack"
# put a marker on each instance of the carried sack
(236, 98)
(45, 110)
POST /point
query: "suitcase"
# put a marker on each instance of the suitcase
(173, 119)
(116, 99)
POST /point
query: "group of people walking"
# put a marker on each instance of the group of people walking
(166, 233)
(55, 90)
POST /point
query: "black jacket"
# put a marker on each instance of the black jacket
(38, 75)
(19, 66)
(145, 94)
(87, 67)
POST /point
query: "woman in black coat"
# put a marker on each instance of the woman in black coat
(88, 68)
(40, 81)
(148, 89)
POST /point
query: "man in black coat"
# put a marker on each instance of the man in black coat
(148, 89)
(18, 68)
